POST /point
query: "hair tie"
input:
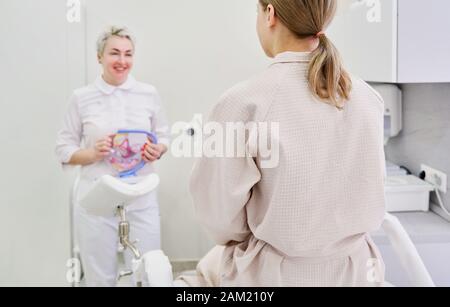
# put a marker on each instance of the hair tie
(321, 33)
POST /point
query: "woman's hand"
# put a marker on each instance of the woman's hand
(102, 149)
(152, 152)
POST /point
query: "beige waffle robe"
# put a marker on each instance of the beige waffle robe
(306, 221)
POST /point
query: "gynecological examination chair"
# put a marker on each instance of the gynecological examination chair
(406, 252)
(110, 196)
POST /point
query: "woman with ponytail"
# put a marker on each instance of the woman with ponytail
(305, 221)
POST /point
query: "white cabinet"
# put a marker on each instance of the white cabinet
(394, 41)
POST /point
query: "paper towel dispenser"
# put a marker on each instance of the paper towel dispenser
(392, 96)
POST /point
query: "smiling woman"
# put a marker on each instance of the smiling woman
(115, 51)
(97, 112)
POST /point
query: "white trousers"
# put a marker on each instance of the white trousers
(98, 240)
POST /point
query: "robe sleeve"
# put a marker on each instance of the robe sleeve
(222, 186)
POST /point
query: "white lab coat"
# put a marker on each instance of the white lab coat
(95, 112)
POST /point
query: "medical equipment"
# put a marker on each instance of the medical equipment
(395, 170)
(407, 193)
(406, 252)
(127, 149)
(155, 264)
(111, 196)
(403, 248)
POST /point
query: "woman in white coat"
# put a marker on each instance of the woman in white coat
(306, 221)
(113, 102)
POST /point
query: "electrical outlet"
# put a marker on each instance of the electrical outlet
(435, 177)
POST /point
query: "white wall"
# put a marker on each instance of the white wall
(34, 87)
(425, 138)
(192, 51)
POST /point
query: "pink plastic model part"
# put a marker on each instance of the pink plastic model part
(127, 149)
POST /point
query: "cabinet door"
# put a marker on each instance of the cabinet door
(365, 32)
(424, 41)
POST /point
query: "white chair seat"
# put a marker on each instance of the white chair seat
(109, 192)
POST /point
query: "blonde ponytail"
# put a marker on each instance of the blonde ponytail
(327, 77)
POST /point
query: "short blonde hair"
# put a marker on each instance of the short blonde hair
(112, 31)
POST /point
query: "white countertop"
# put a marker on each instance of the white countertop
(422, 227)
